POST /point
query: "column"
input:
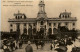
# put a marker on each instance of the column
(46, 28)
(52, 27)
(32, 28)
(21, 28)
(56, 26)
(14, 27)
(27, 28)
(69, 25)
(11, 27)
(37, 26)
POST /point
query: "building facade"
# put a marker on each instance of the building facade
(41, 23)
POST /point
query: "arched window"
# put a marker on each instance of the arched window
(25, 30)
(41, 22)
(66, 23)
(34, 31)
(11, 30)
(73, 24)
(34, 24)
(49, 24)
(59, 24)
(63, 16)
(30, 31)
(73, 29)
(21, 17)
(49, 31)
(68, 16)
(54, 24)
(55, 31)
(11, 25)
(16, 17)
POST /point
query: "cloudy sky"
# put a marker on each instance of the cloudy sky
(52, 7)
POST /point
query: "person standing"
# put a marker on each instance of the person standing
(11, 46)
(15, 44)
(51, 46)
(6, 48)
(20, 44)
(42, 44)
(36, 43)
(29, 47)
(54, 43)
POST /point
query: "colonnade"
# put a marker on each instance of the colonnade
(38, 26)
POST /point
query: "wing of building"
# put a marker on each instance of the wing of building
(22, 24)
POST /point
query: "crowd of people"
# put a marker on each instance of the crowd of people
(60, 45)
(66, 45)
(10, 45)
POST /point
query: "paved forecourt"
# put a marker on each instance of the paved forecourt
(45, 49)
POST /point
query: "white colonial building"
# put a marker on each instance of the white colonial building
(42, 23)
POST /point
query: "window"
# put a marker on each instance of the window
(29, 24)
(59, 24)
(11, 25)
(66, 23)
(16, 17)
(41, 22)
(73, 24)
(18, 26)
(34, 24)
(50, 31)
(45, 26)
(63, 15)
(54, 24)
(21, 17)
(73, 29)
(68, 15)
(34, 31)
(25, 30)
(11, 30)
(49, 24)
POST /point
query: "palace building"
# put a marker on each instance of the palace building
(41, 23)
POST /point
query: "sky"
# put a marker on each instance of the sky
(52, 7)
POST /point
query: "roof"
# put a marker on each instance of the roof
(65, 12)
(22, 20)
(49, 19)
(63, 19)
